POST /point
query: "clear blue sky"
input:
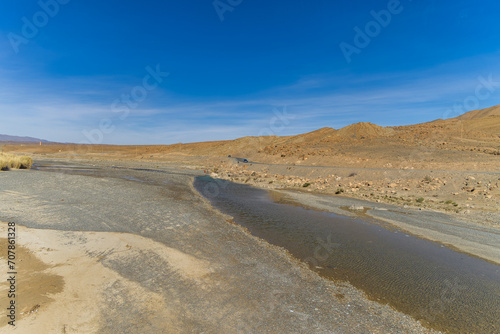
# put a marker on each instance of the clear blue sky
(84, 70)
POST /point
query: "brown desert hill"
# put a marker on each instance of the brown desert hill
(313, 136)
(438, 144)
(480, 113)
(475, 124)
(481, 122)
(365, 130)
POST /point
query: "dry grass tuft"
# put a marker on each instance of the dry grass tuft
(11, 161)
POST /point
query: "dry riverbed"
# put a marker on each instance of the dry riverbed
(118, 250)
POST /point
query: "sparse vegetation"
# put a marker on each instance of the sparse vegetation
(11, 161)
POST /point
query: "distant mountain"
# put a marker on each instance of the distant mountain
(21, 139)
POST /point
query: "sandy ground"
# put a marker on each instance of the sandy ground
(128, 251)
(62, 278)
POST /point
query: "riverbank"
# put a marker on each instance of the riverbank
(163, 260)
(466, 237)
(472, 227)
(464, 195)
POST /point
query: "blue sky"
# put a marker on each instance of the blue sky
(163, 72)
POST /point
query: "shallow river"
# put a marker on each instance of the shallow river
(447, 290)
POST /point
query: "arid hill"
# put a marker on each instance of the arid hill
(468, 142)
(481, 113)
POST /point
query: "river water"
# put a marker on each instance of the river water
(446, 290)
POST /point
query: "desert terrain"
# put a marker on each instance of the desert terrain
(122, 250)
(448, 165)
(170, 262)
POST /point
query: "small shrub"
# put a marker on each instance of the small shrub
(420, 200)
(11, 161)
(26, 162)
(305, 185)
(428, 179)
(339, 191)
(353, 174)
(448, 201)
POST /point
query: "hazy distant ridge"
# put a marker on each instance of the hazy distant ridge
(23, 139)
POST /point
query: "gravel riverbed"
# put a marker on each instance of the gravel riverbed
(166, 261)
